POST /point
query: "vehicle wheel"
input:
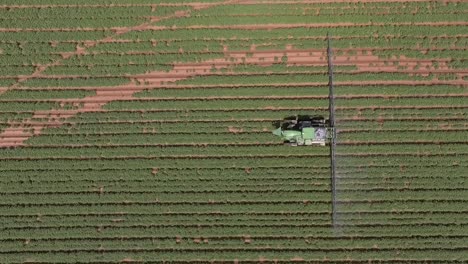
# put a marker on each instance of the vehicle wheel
(318, 119)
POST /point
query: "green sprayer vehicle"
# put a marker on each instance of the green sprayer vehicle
(304, 130)
(307, 130)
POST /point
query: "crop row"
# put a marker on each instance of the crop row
(350, 217)
(188, 34)
(215, 45)
(357, 18)
(91, 12)
(130, 158)
(227, 254)
(159, 140)
(195, 243)
(126, 9)
(31, 23)
(154, 129)
(352, 196)
(184, 33)
(190, 170)
(447, 160)
(298, 185)
(122, 227)
(106, 150)
(400, 91)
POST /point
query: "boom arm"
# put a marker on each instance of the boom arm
(331, 108)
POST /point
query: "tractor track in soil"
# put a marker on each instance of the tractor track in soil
(242, 27)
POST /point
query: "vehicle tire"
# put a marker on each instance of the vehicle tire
(318, 119)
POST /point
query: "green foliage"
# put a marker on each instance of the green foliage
(239, 91)
(75, 82)
(117, 186)
(46, 94)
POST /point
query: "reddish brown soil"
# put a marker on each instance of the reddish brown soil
(15, 136)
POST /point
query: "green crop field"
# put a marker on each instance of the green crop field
(139, 131)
